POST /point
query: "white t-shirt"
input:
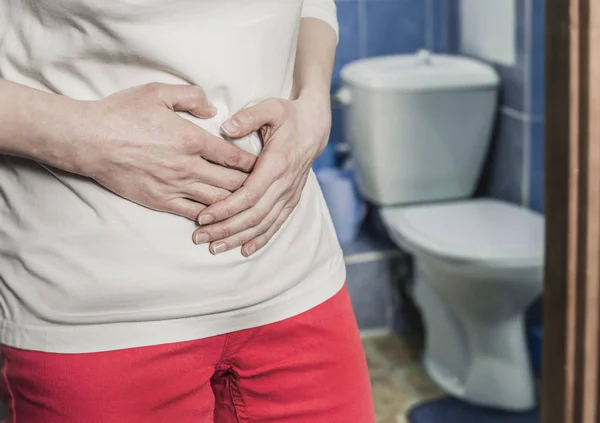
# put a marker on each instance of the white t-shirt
(82, 269)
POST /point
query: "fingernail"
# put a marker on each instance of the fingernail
(219, 248)
(231, 126)
(211, 108)
(251, 249)
(205, 220)
(201, 238)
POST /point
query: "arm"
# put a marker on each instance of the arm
(295, 132)
(39, 125)
(312, 73)
(317, 42)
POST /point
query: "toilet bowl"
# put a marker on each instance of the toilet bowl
(419, 127)
(478, 265)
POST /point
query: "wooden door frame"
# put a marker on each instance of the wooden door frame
(570, 387)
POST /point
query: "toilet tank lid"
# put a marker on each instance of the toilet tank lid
(479, 230)
(423, 71)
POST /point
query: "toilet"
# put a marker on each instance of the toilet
(419, 127)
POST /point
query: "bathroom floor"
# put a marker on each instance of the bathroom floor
(397, 377)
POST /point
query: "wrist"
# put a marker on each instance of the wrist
(53, 129)
(315, 93)
(317, 110)
(318, 103)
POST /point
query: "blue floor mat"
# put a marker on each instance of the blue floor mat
(451, 410)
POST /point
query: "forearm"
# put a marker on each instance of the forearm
(39, 125)
(314, 60)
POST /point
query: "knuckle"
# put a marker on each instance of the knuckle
(197, 96)
(281, 163)
(235, 183)
(186, 211)
(232, 159)
(153, 88)
(276, 226)
(280, 106)
(285, 162)
(192, 213)
(251, 198)
(183, 168)
(196, 93)
(273, 102)
(295, 199)
(254, 220)
(292, 204)
(215, 197)
(230, 210)
(158, 196)
(223, 232)
(178, 167)
(190, 144)
(248, 117)
(235, 241)
(281, 103)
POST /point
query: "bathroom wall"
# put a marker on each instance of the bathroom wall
(515, 168)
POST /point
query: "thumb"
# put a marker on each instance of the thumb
(187, 98)
(251, 119)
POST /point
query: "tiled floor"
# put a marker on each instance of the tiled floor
(397, 377)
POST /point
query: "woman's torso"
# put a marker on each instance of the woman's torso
(73, 253)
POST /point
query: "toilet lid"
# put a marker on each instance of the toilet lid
(479, 229)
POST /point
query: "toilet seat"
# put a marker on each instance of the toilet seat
(477, 230)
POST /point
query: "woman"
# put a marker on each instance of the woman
(155, 264)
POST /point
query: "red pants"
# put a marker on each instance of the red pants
(310, 368)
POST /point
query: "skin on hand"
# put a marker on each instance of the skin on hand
(145, 152)
(294, 133)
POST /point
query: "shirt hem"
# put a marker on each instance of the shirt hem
(77, 339)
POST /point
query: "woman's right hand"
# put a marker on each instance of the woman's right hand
(142, 150)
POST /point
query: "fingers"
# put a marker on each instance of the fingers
(224, 153)
(205, 194)
(220, 177)
(240, 223)
(263, 239)
(269, 168)
(184, 98)
(251, 119)
(240, 236)
(184, 207)
(254, 228)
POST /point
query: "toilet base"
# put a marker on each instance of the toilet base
(519, 397)
(470, 356)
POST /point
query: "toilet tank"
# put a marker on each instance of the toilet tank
(419, 126)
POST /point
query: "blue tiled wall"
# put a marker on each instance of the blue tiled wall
(536, 92)
(515, 167)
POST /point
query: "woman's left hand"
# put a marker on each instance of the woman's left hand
(294, 134)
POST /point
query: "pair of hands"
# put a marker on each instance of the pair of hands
(146, 153)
